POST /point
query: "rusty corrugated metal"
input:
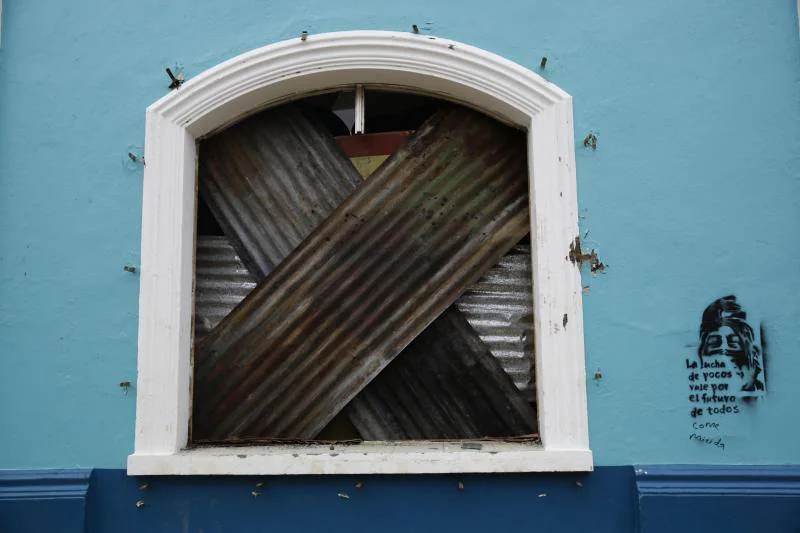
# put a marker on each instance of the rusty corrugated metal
(499, 306)
(269, 181)
(268, 196)
(435, 217)
(451, 378)
(500, 309)
(258, 137)
(435, 389)
(221, 282)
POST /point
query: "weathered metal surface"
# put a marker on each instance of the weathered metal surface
(391, 258)
(221, 282)
(500, 309)
(267, 196)
(442, 386)
(499, 306)
(221, 174)
(445, 385)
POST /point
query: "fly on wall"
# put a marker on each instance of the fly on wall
(369, 286)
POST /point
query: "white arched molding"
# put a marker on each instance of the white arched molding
(289, 69)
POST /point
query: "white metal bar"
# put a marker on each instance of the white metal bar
(358, 128)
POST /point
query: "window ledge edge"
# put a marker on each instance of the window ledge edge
(425, 458)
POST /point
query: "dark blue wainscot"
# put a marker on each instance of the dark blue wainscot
(43, 500)
(728, 499)
(603, 501)
(611, 499)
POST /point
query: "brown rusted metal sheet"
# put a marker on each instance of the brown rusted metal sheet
(445, 385)
(499, 306)
(272, 179)
(255, 138)
(391, 258)
(432, 390)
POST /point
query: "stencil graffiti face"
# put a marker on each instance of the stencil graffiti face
(727, 344)
(727, 373)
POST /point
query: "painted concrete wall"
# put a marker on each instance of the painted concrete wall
(693, 193)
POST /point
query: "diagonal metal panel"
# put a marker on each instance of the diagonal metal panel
(448, 374)
(268, 196)
(499, 306)
(269, 181)
(366, 282)
(429, 392)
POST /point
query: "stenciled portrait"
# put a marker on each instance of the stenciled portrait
(729, 348)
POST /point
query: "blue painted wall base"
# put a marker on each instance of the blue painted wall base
(610, 499)
(384, 503)
(43, 500)
(702, 498)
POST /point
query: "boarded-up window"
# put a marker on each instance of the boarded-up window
(374, 286)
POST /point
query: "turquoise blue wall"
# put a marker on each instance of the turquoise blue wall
(693, 193)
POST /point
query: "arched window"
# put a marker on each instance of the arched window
(274, 74)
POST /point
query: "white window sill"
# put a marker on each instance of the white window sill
(368, 458)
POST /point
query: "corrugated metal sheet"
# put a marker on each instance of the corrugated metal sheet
(462, 390)
(258, 136)
(269, 181)
(390, 259)
(221, 282)
(500, 308)
(412, 398)
(268, 196)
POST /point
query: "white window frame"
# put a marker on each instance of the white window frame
(286, 70)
